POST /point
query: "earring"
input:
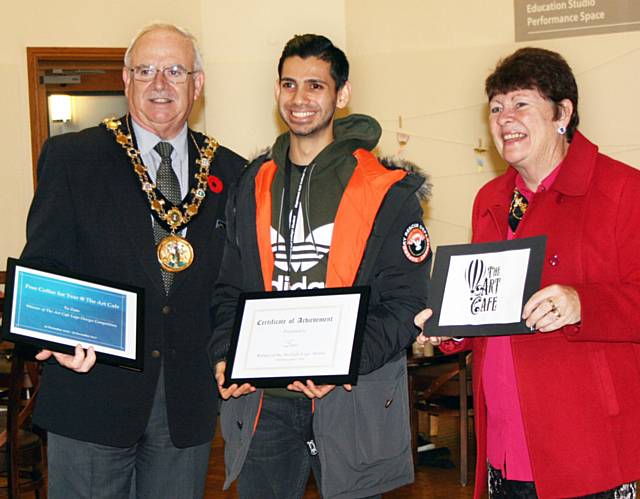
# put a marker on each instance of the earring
(562, 130)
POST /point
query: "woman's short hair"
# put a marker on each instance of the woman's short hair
(538, 69)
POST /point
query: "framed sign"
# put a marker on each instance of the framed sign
(547, 19)
(480, 289)
(57, 311)
(281, 337)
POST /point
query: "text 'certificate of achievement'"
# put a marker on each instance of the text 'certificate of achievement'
(281, 337)
(481, 289)
(58, 311)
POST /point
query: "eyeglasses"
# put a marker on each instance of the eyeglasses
(174, 74)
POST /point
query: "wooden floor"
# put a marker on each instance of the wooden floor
(431, 482)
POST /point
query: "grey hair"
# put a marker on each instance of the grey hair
(167, 27)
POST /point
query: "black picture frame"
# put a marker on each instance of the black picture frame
(270, 299)
(440, 275)
(53, 338)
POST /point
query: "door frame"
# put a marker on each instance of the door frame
(39, 59)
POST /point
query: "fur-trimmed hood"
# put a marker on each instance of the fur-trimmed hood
(353, 132)
(426, 189)
(424, 193)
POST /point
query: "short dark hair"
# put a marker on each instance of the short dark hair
(319, 46)
(538, 69)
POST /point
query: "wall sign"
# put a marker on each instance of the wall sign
(545, 19)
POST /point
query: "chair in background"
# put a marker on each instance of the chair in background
(21, 450)
(3, 281)
(444, 389)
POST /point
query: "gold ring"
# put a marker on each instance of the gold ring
(554, 310)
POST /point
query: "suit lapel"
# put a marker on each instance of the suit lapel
(133, 207)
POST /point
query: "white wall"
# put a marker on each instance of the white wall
(64, 23)
(240, 41)
(244, 40)
(87, 110)
(427, 61)
(423, 59)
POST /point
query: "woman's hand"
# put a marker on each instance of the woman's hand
(552, 308)
(419, 321)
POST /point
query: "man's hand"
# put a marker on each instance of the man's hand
(234, 390)
(312, 390)
(419, 321)
(80, 362)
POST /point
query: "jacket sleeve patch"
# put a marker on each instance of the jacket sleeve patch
(415, 243)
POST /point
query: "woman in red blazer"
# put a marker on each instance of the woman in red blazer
(558, 411)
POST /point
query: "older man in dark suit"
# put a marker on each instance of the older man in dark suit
(94, 213)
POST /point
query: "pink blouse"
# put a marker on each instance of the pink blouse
(506, 442)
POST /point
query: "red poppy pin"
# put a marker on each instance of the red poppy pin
(215, 184)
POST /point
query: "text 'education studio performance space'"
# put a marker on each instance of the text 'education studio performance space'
(382, 250)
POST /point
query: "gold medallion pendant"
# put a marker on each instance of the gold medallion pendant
(175, 254)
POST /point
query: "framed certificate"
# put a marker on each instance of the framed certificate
(481, 289)
(57, 311)
(281, 337)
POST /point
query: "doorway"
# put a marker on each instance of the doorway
(89, 81)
